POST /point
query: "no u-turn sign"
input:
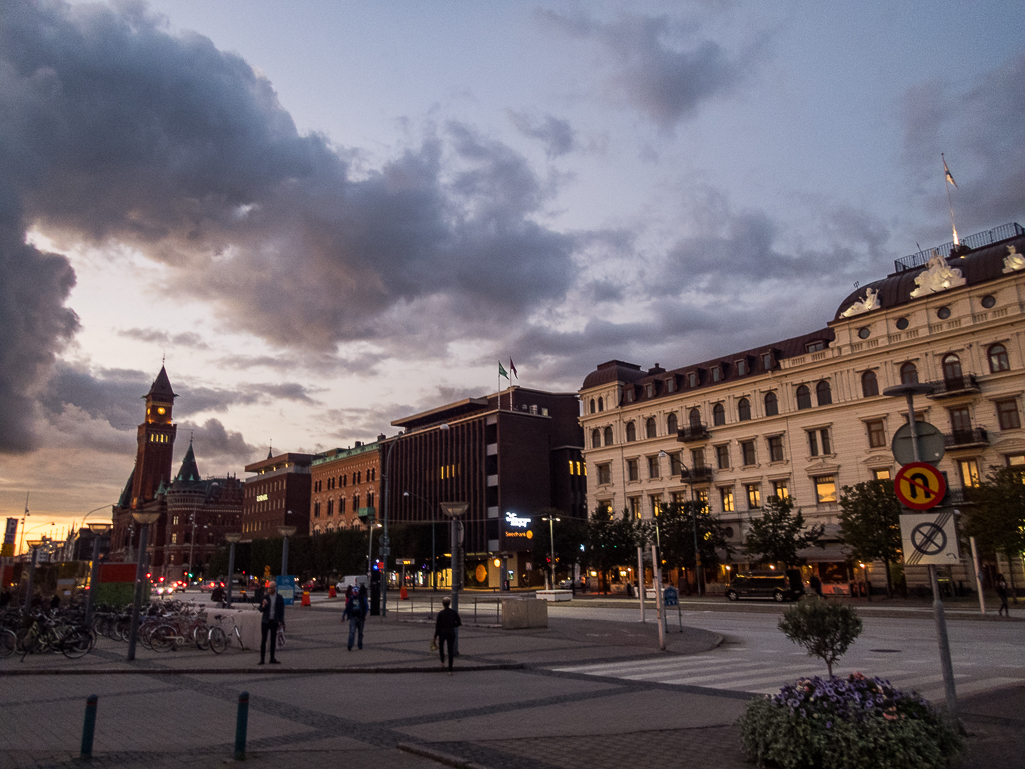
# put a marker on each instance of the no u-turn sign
(920, 486)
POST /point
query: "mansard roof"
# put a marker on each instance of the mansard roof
(978, 265)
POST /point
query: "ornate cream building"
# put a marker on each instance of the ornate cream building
(806, 416)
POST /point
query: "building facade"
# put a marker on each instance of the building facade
(806, 416)
(278, 494)
(509, 456)
(344, 481)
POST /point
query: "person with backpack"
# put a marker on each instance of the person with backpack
(1002, 592)
(356, 611)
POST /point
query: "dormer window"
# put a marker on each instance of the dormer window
(741, 367)
(692, 379)
(767, 361)
(717, 374)
(629, 395)
(815, 346)
(649, 390)
(670, 385)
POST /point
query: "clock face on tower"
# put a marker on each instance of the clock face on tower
(161, 410)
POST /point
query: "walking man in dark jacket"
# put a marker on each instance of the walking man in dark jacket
(356, 611)
(273, 609)
(445, 631)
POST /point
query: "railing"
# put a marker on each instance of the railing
(696, 475)
(955, 386)
(486, 609)
(692, 433)
(977, 240)
(964, 438)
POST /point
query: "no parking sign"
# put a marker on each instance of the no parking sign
(930, 538)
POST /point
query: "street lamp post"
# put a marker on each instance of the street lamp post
(434, 563)
(551, 540)
(285, 532)
(144, 520)
(233, 538)
(98, 530)
(455, 510)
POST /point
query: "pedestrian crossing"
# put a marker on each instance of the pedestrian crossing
(734, 671)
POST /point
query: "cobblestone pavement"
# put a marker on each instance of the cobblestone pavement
(504, 708)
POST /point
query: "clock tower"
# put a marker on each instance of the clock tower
(156, 443)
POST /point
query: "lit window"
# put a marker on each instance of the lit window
(881, 474)
(825, 489)
(754, 496)
(780, 489)
(969, 469)
(1015, 460)
(726, 495)
(635, 507)
(656, 504)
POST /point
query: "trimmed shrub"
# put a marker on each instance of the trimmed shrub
(847, 723)
(826, 629)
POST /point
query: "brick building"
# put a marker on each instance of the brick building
(343, 481)
(277, 495)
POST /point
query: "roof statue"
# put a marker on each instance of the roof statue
(937, 276)
(869, 303)
(1013, 261)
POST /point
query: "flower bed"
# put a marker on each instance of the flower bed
(848, 723)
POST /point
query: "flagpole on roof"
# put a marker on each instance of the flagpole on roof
(948, 179)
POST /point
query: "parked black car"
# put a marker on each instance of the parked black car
(766, 584)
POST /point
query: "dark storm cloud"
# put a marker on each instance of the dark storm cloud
(154, 336)
(659, 66)
(117, 131)
(982, 133)
(34, 324)
(557, 136)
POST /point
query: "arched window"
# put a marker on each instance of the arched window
(608, 436)
(909, 374)
(592, 405)
(631, 432)
(601, 405)
(869, 384)
(694, 418)
(672, 424)
(355, 502)
(951, 368)
(743, 409)
(596, 439)
(718, 414)
(649, 428)
(771, 405)
(998, 358)
(803, 397)
(823, 394)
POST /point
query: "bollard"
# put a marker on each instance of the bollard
(89, 727)
(241, 723)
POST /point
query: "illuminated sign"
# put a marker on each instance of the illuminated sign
(262, 497)
(516, 521)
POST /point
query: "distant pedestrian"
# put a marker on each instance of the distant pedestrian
(445, 631)
(217, 594)
(258, 593)
(55, 602)
(816, 585)
(273, 609)
(1002, 592)
(355, 611)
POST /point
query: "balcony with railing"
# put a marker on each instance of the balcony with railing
(696, 475)
(690, 433)
(966, 439)
(954, 386)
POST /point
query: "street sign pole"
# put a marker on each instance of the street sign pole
(909, 391)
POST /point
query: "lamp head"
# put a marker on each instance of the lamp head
(145, 518)
(233, 537)
(100, 528)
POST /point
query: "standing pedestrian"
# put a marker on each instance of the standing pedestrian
(1002, 592)
(273, 609)
(815, 584)
(356, 611)
(445, 631)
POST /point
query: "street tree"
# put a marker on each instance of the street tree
(824, 628)
(676, 523)
(870, 521)
(569, 533)
(997, 517)
(610, 540)
(780, 533)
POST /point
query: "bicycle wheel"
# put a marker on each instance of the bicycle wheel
(280, 643)
(162, 638)
(8, 642)
(218, 640)
(201, 637)
(238, 637)
(28, 640)
(76, 644)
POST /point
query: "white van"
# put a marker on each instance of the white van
(353, 579)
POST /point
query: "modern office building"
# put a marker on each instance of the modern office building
(805, 416)
(344, 482)
(508, 456)
(278, 494)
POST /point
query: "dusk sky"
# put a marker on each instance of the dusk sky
(328, 215)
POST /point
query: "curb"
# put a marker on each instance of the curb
(253, 671)
(437, 755)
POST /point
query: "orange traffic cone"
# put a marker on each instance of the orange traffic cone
(306, 598)
(331, 592)
(404, 594)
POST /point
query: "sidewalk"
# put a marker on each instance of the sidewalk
(503, 709)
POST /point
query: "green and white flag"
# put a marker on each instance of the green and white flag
(502, 371)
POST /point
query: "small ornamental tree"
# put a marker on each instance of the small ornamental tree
(825, 629)
(780, 533)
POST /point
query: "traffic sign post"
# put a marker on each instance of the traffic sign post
(920, 486)
(931, 445)
(930, 538)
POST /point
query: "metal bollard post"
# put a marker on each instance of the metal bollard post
(241, 723)
(89, 727)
